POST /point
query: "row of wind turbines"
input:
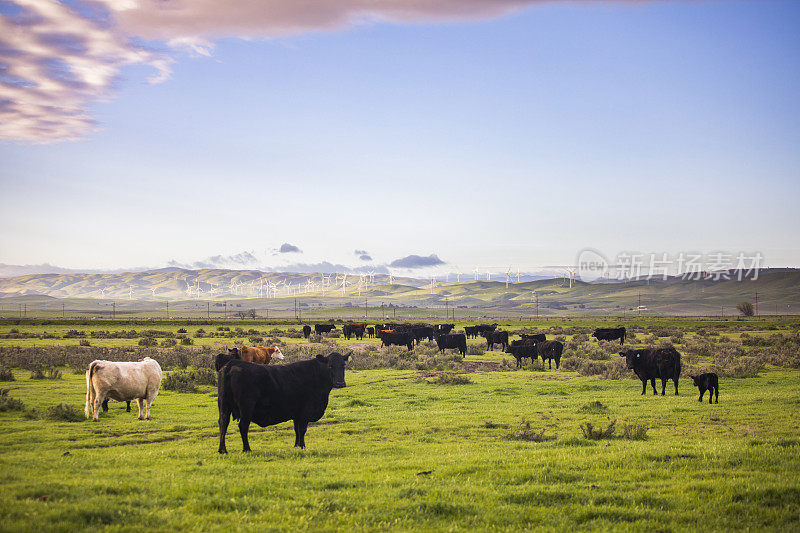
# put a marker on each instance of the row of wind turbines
(325, 283)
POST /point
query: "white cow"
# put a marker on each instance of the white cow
(122, 382)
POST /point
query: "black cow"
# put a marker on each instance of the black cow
(707, 382)
(471, 331)
(495, 337)
(652, 363)
(323, 328)
(423, 332)
(484, 328)
(452, 340)
(444, 328)
(269, 395)
(222, 359)
(521, 349)
(610, 334)
(370, 332)
(348, 330)
(538, 337)
(306, 331)
(127, 408)
(550, 350)
(398, 338)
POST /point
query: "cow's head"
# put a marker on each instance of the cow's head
(696, 380)
(335, 363)
(277, 354)
(233, 352)
(631, 357)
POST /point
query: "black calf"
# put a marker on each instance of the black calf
(707, 382)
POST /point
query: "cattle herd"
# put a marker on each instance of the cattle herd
(251, 390)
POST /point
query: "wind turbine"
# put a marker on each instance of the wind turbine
(477, 272)
(102, 293)
(391, 278)
(508, 276)
(130, 292)
(517, 274)
(153, 290)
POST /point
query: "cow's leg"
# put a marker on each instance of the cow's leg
(716, 400)
(663, 385)
(244, 425)
(550, 363)
(224, 420)
(105, 405)
(644, 387)
(558, 360)
(675, 381)
(653, 384)
(300, 427)
(96, 408)
(702, 391)
(148, 401)
(128, 406)
(139, 405)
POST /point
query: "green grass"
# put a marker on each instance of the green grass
(394, 452)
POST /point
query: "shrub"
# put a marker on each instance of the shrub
(64, 412)
(6, 374)
(449, 378)
(183, 330)
(50, 373)
(84, 342)
(634, 432)
(168, 343)
(148, 341)
(7, 403)
(596, 433)
(188, 380)
(256, 340)
(526, 433)
(745, 308)
(595, 407)
(315, 337)
(476, 349)
(293, 333)
(186, 341)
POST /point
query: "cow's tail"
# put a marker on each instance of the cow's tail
(90, 392)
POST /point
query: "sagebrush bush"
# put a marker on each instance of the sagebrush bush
(526, 433)
(597, 433)
(6, 374)
(476, 348)
(49, 373)
(7, 403)
(64, 413)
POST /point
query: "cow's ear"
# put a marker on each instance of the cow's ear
(322, 358)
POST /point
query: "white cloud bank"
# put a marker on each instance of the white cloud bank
(57, 58)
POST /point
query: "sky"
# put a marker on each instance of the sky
(417, 137)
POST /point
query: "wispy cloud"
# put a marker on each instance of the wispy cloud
(363, 255)
(241, 260)
(58, 58)
(417, 261)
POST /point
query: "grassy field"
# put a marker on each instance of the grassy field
(422, 449)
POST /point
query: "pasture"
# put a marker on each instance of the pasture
(416, 442)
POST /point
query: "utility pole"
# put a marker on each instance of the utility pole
(537, 303)
(63, 315)
(446, 311)
(756, 303)
(366, 309)
(113, 310)
(26, 310)
(226, 308)
(208, 310)
(167, 309)
(639, 309)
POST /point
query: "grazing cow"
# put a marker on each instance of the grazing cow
(348, 330)
(484, 328)
(444, 328)
(495, 337)
(324, 328)
(122, 382)
(269, 395)
(398, 338)
(306, 331)
(538, 337)
(707, 382)
(521, 349)
(550, 350)
(610, 334)
(423, 332)
(127, 407)
(370, 332)
(452, 340)
(257, 354)
(652, 363)
(471, 331)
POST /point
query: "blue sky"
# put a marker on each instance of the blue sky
(503, 140)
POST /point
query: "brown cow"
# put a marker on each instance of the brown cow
(257, 354)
